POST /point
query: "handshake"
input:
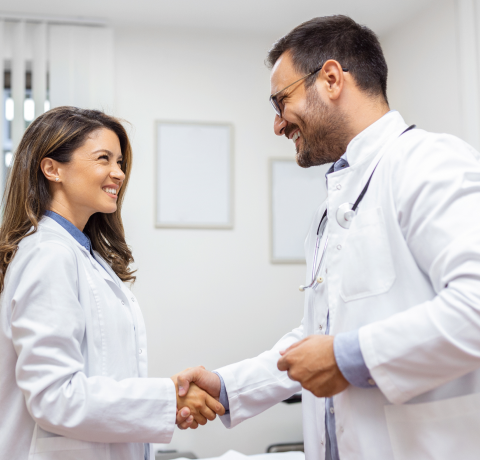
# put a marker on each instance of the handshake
(197, 402)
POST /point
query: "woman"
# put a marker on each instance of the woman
(74, 360)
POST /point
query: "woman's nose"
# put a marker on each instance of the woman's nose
(118, 174)
(279, 125)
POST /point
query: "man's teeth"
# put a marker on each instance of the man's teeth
(295, 136)
(110, 190)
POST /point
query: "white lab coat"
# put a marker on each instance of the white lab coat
(407, 276)
(74, 359)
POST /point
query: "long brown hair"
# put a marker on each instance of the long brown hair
(56, 134)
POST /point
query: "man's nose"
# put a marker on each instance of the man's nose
(279, 125)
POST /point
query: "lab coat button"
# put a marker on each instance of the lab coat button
(123, 303)
(140, 351)
(332, 410)
(371, 382)
(320, 327)
(133, 299)
(341, 429)
(339, 247)
(339, 187)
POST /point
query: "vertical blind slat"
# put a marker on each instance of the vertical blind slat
(2, 100)
(39, 67)
(18, 82)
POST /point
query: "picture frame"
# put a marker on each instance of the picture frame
(193, 175)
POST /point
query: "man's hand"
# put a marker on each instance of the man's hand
(199, 405)
(312, 363)
(206, 380)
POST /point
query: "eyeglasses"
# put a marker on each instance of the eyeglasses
(277, 105)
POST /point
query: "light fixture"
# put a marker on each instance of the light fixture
(9, 109)
(29, 109)
(8, 159)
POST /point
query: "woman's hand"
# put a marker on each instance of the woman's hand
(201, 405)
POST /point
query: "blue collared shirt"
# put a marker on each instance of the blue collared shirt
(79, 236)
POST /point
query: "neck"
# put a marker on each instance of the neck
(365, 114)
(78, 219)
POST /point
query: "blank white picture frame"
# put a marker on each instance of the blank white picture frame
(194, 175)
(295, 195)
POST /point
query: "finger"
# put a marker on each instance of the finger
(208, 413)
(282, 364)
(200, 419)
(214, 405)
(194, 425)
(187, 423)
(183, 414)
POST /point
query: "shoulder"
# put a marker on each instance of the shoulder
(45, 247)
(420, 150)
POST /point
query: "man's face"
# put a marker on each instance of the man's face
(317, 127)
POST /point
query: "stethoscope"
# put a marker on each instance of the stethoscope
(345, 214)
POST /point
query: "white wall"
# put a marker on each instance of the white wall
(210, 297)
(423, 62)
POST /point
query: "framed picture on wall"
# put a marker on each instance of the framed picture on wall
(295, 195)
(194, 175)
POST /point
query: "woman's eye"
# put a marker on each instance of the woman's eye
(103, 157)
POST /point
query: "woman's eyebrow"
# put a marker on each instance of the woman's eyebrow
(107, 152)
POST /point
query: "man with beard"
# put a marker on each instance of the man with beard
(388, 353)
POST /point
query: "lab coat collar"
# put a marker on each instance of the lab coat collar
(373, 138)
(48, 222)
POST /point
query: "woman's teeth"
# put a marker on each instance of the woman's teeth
(110, 190)
(295, 136)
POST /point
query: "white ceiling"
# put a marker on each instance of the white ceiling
(273, 17)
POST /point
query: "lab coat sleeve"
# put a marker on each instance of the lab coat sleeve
(436, 188)
(48, 327)
(256, 384)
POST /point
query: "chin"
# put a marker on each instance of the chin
(107, 209)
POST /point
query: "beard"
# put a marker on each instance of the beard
(324, 136)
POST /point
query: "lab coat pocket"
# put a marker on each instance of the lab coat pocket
(47, 446)
(439, 430)
(367, 264)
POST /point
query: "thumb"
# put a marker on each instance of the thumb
(184, 379)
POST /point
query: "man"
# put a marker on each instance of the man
(388, 353)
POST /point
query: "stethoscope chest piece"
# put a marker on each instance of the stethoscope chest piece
(345, 215)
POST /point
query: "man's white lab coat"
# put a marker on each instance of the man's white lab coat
(73, 357)
(407, 276)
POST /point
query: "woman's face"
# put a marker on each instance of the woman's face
(90, 182)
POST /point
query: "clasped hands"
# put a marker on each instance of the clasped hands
(310, 361)
(196, 405)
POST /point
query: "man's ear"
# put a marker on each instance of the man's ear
(49, 168)
(333, 79)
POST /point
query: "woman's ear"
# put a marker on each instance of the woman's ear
(49, 168)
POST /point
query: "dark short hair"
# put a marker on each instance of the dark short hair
(354, 46)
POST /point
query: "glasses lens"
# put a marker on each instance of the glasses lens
(276, 107)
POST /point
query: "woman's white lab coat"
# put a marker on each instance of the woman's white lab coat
(74, 359)
(407, 276)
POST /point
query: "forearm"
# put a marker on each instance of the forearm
(100, 409)
(425, 346)
(256, 384)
